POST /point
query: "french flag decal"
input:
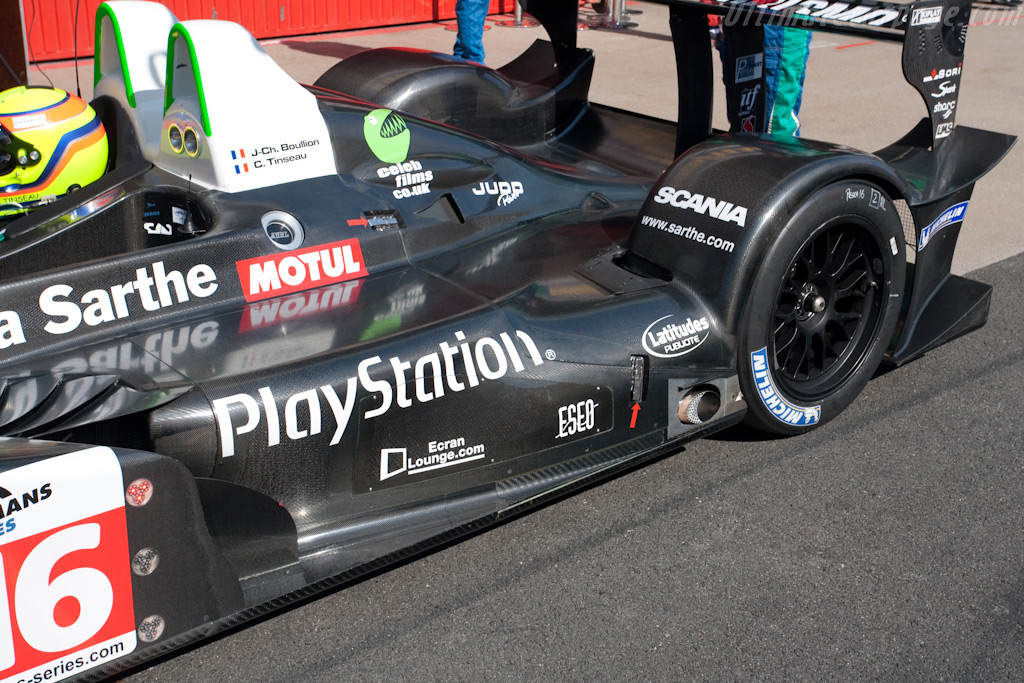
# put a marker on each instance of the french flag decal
(239, 168)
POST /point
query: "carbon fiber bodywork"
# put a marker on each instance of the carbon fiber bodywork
(305, 382)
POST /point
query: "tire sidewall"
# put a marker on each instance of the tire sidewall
(769, 406)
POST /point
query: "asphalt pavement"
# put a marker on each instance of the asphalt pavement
(886, 545)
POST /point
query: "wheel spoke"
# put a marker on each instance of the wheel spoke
(784, 336)
(814, 348)
(850, 280)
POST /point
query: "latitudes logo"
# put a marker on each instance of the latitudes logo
(779, 407)
(668, 340)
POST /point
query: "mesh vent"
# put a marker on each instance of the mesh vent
(909, 230)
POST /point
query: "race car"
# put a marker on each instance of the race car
(292, 334)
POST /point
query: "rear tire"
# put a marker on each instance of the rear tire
(823, 308)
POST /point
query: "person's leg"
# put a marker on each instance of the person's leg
(469, 43)
(785, 58)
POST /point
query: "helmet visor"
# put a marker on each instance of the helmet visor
(15, 151)
(7, 151)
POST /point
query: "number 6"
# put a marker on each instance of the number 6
(35, 596)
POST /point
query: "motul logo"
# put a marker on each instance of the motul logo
(297, 271)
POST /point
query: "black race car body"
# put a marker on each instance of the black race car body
(293, 337)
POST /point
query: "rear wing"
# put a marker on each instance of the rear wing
(933, 33)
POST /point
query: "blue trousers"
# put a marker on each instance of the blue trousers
(763, 69)
(469, 43)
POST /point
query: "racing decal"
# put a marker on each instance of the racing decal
(749, 67)
(471, 430)
(158, 228)
(749, 124)
(296, 271)
(944, 108)
(155, 286)
(748, 100)
(584, 418)
(943, 130)
(943, 74)
(408, 383)
(268, 156)
(387, 136)
(945, 89)
(505, 192)
(954, 214)
(411, 180)
(726, 212)
(782, 409)
(66, 603)
(160, 218)
(689, 232)
(439, 455)
(925, 16)
(666, 339)
(243, 165)
(281, 310)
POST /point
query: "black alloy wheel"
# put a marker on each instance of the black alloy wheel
(826, 310)
(823, 308)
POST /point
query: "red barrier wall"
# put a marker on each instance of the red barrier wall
(49, 23)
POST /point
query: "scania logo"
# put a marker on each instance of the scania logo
(666, 339)
(698, 203)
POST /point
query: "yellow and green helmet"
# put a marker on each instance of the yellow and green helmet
(50, 144)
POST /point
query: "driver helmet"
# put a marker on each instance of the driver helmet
(51, 143)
